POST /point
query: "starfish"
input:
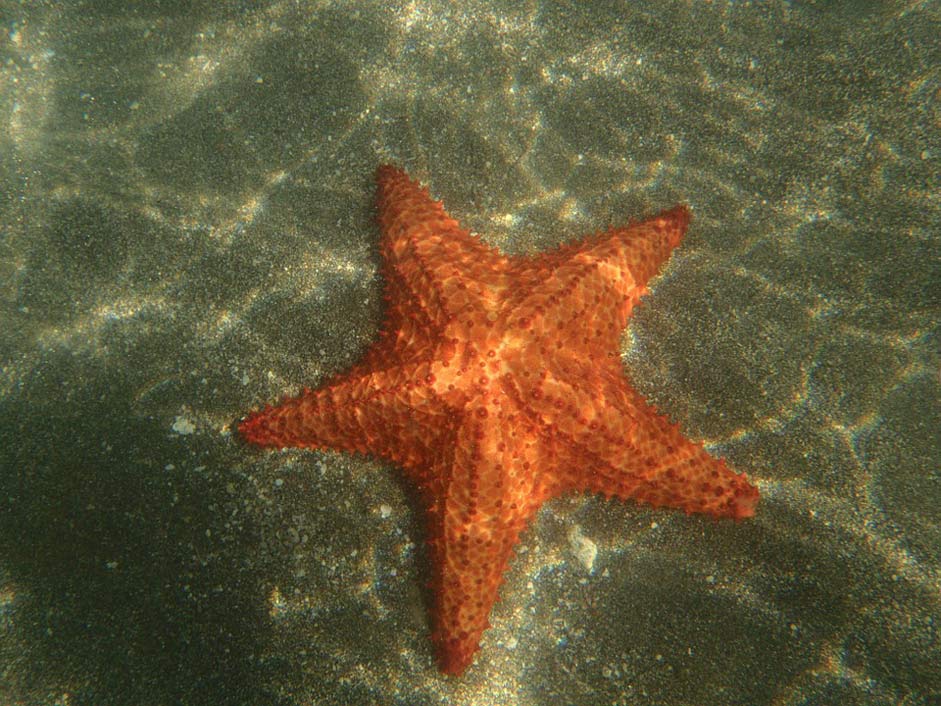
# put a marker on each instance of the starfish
(496, 384)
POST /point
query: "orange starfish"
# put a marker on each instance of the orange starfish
(497, 384)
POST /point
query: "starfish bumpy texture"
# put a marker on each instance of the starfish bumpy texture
(496, 384)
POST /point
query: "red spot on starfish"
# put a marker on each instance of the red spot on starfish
(496, 384)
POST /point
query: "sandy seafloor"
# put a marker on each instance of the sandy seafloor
(186, 231)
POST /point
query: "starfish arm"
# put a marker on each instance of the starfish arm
(588, 290)
(635, 452)
(444, 269)
(483, 502)
(382, 413)
(655, 463)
